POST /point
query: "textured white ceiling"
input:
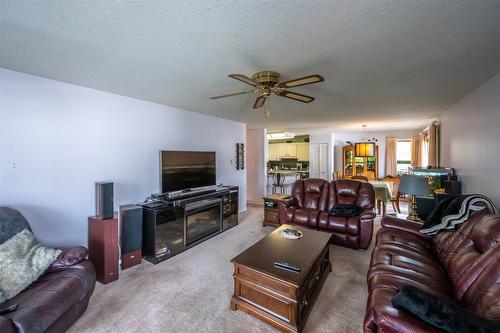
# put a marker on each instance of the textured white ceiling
(391, 64)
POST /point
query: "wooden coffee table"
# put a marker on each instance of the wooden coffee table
(280, 297)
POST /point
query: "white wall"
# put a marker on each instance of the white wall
(470, 140)
(342, 138)
(256, 165)
(57, 140)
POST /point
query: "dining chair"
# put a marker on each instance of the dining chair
(278, 182)
(336, 175)
(395, 195)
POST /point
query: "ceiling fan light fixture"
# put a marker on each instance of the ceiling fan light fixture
(280, 135)
(267, 83)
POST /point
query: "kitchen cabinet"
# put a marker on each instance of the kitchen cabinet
(302, 151)
(298, 150)
(272, 152)
(287, 150)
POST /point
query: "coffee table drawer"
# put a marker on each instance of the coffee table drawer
(309, 289)
(266, 300)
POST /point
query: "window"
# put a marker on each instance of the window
(403, 155)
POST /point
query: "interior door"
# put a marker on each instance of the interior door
(318, 161)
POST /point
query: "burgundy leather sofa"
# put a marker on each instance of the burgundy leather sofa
(58, 298)
(461, 266)
(313, 198)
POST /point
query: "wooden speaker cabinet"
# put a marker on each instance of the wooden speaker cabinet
(103, 248)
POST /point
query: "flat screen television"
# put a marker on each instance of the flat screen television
(183, 170)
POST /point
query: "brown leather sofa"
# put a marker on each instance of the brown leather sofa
(57, 299)
(461, 266)
(313, 198)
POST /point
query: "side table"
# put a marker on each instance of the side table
(271, 213)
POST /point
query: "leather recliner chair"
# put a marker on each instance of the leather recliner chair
(313, 198)
(58, 298)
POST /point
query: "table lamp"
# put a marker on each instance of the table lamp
(413, 186)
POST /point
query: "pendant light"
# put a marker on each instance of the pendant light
(365, 148)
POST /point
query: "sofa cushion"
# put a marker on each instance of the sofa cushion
(404, 239)
(404, 263)
(306, 218)
(311, 193)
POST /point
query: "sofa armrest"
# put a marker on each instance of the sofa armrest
(287, 202)
(367, 214)
(405, 225)
(283, 209)
(69, 257)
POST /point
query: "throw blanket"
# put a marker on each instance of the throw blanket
(451, 218)
(22, 261)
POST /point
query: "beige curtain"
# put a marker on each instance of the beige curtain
(390, 157)
(416, 150)
(433, 146)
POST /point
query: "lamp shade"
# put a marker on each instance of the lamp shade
(414, 185)
(364, 149)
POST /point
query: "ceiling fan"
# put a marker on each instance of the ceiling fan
(267, 82)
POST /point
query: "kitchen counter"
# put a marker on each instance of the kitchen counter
(290, 177)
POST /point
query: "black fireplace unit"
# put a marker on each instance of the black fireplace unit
(203, 218)
(172, 227)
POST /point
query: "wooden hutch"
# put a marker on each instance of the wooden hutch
(359, 166)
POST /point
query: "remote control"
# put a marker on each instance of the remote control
(285, 265)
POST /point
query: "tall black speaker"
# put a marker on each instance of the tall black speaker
(104, 200)
(131, 235)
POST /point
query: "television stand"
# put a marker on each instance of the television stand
(172, 226)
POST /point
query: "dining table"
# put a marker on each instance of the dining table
(383, 194)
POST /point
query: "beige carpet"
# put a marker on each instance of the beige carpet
(191, 291)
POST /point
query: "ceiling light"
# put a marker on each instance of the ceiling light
(365, 148)
(280, 135)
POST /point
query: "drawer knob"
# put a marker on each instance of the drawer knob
(305, 302)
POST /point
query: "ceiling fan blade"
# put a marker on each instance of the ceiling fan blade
(296, 96)
(259, 102)
(235, 94)
(243, 78)
(302, 81)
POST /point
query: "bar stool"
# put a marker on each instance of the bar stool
(278, 182)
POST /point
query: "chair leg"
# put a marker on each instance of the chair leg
(378, 206)
(397, 206)
(384, 208)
